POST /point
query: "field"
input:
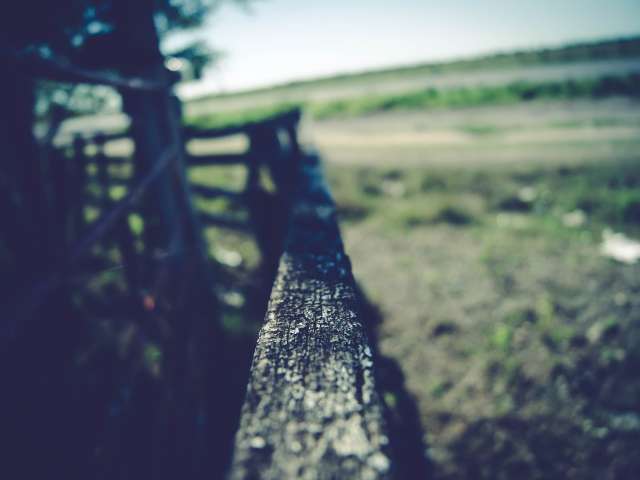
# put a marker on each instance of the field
(517, 338)
(580, 61)
(477, 234)
(476, 212)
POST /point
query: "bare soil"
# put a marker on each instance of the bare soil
(517, 340)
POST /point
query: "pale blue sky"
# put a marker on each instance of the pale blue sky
(282, 40)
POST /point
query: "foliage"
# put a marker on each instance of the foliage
(86, 32)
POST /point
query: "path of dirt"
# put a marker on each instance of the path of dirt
(537, 131)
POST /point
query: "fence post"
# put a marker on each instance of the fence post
(79, 184)
(312, 408)
(59, 168)
(266, 210)
(103, 172)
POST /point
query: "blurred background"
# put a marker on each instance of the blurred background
(485, 162)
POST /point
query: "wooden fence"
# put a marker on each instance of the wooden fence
(312, 410)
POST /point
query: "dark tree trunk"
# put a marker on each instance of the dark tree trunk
(182, 278)
(22, 184)
(137, 40)
(34, 360)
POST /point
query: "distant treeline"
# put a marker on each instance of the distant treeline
(609, 49)
(626, 86)
(588, 51)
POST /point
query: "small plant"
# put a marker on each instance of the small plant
(501, 337)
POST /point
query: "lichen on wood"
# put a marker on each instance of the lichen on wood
(312, 410)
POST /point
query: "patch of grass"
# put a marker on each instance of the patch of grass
(433, 98)
(237, 242)
(232, 177)
(524, 306)
(439, 389)
(612, 122)
(524, 203)
(521, 316)
(433, 182)
(91, 214)
(238, 117)
(481, 95)
(480, 130)
(116, 192)
(412, 213)
(501, 337)
(609, 194)
(390, 399)
(596, 122)
(553, 330)
(136, 223)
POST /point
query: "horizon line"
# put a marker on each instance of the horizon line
(480, 55)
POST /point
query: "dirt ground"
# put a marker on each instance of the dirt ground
(508, 343)
(514, 351)
(516, 338)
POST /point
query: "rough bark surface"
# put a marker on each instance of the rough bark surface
(312, 410)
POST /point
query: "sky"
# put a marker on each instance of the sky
(276, 41)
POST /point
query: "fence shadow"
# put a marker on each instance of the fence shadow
(401, 412)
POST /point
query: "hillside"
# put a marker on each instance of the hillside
(586, 51)
(569, 71)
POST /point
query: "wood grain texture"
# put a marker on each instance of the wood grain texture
(312, 410)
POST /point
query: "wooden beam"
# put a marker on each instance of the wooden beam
(312, 410)
(228, 159)
(109, 137)
(62, 70)
(113, 181)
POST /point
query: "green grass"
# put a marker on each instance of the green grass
(234, 178)
(480, 130)
(523, 295)
(433, 98)
(526, 198)
(225, 119)
(477, 96)
(527, 201)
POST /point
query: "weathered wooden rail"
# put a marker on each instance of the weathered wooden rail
(312, 410)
